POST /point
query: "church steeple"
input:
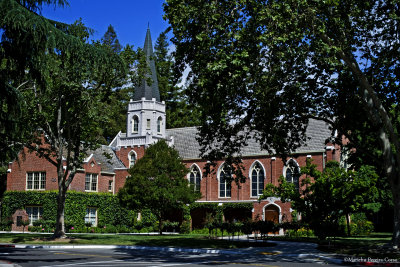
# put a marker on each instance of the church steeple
(146, 90)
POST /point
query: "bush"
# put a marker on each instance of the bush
(302, 232)
(185, 227)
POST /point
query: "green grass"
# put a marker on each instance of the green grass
(192, 241)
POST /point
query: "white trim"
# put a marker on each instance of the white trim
(279, 216)
(115, 138)
(287, 164)
(199, 170)
(86, 160)
(251, 177)
(329, 148)
(130, 156)
(218, 178)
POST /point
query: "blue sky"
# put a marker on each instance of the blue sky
(129, 17)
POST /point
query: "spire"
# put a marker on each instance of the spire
(144, 89)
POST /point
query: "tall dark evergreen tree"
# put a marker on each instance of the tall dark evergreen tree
(179, 112)
(110, 39)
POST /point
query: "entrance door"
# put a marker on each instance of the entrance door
(272, 215)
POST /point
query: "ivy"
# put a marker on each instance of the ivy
(108, 209)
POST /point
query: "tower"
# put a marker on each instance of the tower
(146, 113)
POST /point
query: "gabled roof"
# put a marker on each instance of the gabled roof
(105, 155)
(144, 89)
(185, 141)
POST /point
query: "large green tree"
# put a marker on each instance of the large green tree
(158, 182)
(66, 113)
(270, 66)
(59, 79)
(325, 197)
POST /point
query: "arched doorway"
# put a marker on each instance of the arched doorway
(271, 213)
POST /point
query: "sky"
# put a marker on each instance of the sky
(129, 18)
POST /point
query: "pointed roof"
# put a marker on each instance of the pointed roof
(144, 89)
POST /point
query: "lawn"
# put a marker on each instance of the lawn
(192, 241)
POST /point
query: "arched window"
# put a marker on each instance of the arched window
(135, 124)
(224, 185)
(257, 180)
(194, 177)
(292, 173)
(159, 121)
(132, 158)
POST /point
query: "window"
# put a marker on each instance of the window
(135, 124)
(36, 181)
(91, 182)
(34, 213)
(91, 216)
(257, 180)
(148, 124)
(159, 121)
(110, 185)
(293, 173)
(224, 185)
(132, 158)
(194, 178)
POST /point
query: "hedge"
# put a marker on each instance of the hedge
(108, 209)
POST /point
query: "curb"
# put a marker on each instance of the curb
(168, 249)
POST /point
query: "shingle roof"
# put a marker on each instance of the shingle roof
(185, 141)
(144, 89)
(105, 155)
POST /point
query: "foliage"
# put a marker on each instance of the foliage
(109, 212)
(326, 196)
(265, 68)
(179, 112)
(158, 183)
(110, 39)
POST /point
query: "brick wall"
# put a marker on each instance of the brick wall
(30, 162)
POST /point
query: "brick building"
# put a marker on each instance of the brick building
(105, 169)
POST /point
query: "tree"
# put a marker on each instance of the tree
(59, 79)
(269, 66)
(179, 112)
(25, 38)
(325, 197)
(158, 182)
(110, 39)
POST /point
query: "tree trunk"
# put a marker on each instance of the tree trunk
(348, 224)
(396, 213)
(60, 226)
(160, 225)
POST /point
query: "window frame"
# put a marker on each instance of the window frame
(226, 187)
(159, 122)
(130, 154)
(91, 180)
(196, 186)
(135, 124)
(259, 189)
(41, 181)
(31, 214)
(293, 167)
(88, 217)
(110, 185)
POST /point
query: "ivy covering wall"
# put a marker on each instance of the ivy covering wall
(108, 209)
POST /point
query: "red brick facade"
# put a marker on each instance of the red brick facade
(273, 168)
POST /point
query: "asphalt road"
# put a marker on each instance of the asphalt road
(122, 257)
